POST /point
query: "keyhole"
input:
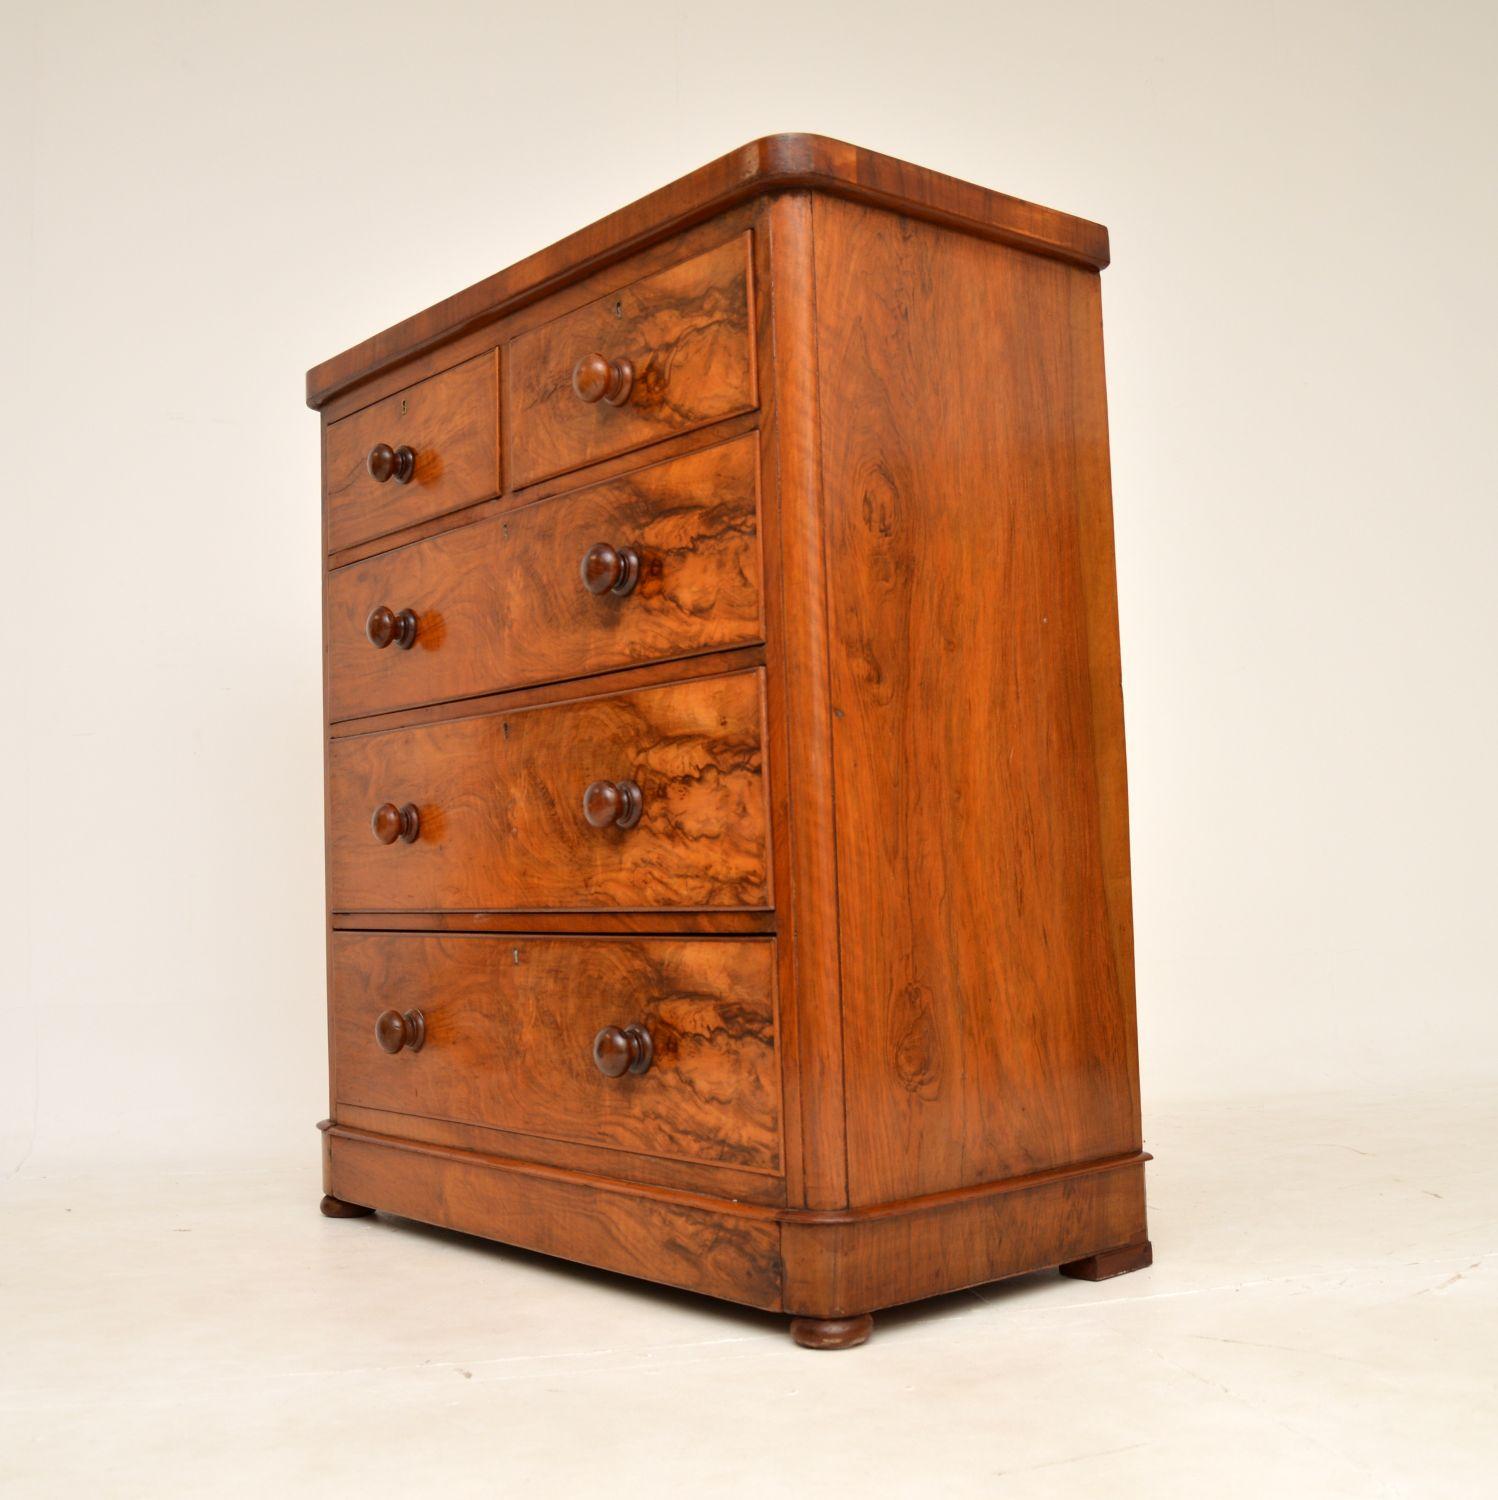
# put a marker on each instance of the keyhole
(619, 309)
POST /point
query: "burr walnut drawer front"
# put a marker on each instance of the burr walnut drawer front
(664, 1046)
(666, 354)
(660, 563)
(417, 454)
(651, 799)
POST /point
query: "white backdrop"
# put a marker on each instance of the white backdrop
(201, 200)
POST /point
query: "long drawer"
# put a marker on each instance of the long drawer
(656, 564)
(664, 1046)
(651, 799)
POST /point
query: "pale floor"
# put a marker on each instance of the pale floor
(1321, 1320)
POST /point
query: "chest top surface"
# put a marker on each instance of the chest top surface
(770, 164)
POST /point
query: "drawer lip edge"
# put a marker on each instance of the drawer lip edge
(683, 1197)
(775, 1173)
(757, 642)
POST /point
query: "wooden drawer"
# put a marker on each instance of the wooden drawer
(499, 822)
(450, 423)
(502, 603)
(509, 1026)
(688, 336)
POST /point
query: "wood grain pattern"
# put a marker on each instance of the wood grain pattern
(985, 1019)
(835, 1270)
(1088, 402)
(502, 605)
(688, 332)
(450, 420)
(510, 1026)
(500, 799)
(714, 1179)
(804, 718)
(620, 680)
(662, 1236)
(742, 923)
(769, 165)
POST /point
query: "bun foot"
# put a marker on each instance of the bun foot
(831, 1333)
(336, 1208)
(1108, 1263)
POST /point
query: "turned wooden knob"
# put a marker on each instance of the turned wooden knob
(394, 1030)
(386, 462)
(390, 823)
(619, 803)
(595, 378)
(610, 570)
(620, 1050)
(386, 628)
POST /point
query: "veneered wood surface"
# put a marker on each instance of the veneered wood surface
(717, 664)
(688, 331)
(985, 1019)
(707, 921)
(662, 1236)
(451, 420)
(500, 799)
(501, 604)
(802, 711)
(1089, 446)
(742, 1184)
(837, 1270)
(768, 165)
(510, 1025)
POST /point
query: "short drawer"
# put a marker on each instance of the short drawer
(436, 446)
(508, 1029)
(652, 799)
(672, 553)
(672, 352)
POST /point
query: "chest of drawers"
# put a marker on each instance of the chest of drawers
(728, 869)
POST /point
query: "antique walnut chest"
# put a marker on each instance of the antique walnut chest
(727, 829)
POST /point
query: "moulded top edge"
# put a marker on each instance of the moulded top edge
(773, 162)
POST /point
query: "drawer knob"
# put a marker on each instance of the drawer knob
(394, 1030)
(386, 462)
(610, 570)
(386, 628)
(391, 823)
(613, 802)
(617, 1051)
(595, 378)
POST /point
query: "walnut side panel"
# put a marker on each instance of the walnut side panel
(987, 1020)
(796, 591)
